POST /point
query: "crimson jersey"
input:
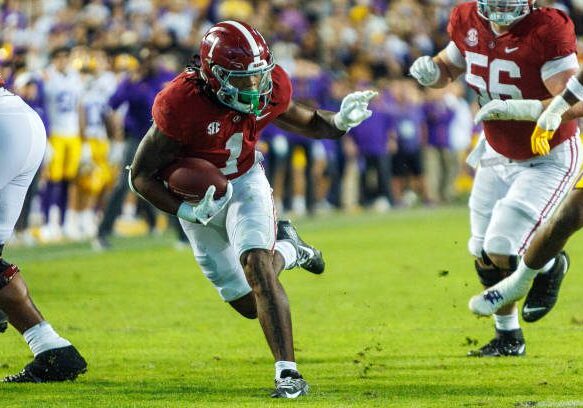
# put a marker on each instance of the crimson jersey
(184, 112)
(512, 66)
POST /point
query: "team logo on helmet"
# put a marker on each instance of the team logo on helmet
(472, 37)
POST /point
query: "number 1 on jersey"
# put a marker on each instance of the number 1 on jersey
(234, 145)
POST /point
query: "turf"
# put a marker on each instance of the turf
(386, 325)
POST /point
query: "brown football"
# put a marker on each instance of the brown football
(190, 177)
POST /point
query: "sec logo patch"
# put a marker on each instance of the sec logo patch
(213, 128)
(472, 37)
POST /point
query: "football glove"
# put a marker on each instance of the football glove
(425, 71)
(354, 110)
(511, 109)
(547, 124)
(206, 209)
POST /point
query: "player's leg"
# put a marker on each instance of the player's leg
(551, 264)
(72, 222)
(54, 191)
(115, 203)
(545, 247)
(251, 227)
(221, 266)
(487, 190)
(55, 358)
(552, 237)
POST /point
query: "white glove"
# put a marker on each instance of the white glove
(206, 209)
(551, 118)
(547, 124)
(425, 71)
(354, 109)
(511, 109)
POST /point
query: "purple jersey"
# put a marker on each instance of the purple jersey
(38, 103)
(439, 117)
(409, 120)
(140, 97)
(311, 90)
(372, 135)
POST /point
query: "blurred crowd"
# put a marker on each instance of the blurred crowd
(91, 68)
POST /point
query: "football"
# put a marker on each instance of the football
(190, 177)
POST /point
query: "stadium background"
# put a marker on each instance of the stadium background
(385, 326)
(410, 154)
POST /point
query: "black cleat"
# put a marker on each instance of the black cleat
(309, 258)
(60, 364)
(290, 384)
(544, 292)
(506, 343)
(3, 321)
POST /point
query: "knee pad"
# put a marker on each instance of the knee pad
(498, 245)
(491, 274)
(7, 272)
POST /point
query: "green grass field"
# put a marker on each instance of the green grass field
(387, 325)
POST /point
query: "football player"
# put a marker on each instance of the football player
(22, 146)
(551, 237)
(516, 57)
(214, 110)
(62, 91)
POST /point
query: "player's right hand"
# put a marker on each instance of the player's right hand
(206, 209)
(425, 71)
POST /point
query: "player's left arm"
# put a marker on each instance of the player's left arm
(324, 124)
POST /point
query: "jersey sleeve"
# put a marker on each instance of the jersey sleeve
(453, 24)
(282, 91)
(118, 97)
(557, 36)
(169, 113)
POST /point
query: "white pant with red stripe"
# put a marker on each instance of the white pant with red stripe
(511, 199)
(247, 222)
(22, 146)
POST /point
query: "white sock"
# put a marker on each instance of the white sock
(284, 365)
(548, 266)
(288, 251)
(507, 322)
(54, 217)
(526, 273)
(43, 337)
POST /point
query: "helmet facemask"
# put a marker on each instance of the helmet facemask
(244, 100)
(503, 12)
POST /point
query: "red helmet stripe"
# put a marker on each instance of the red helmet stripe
(249, 37)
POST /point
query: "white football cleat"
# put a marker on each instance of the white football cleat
(504, 293)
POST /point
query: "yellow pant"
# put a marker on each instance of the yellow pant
(66, 153)
(99, 174)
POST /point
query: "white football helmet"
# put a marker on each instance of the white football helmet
(504, 12)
